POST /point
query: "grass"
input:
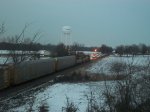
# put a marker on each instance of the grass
(80, 76)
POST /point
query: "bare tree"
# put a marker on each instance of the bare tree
(93, 105)
(70, 106)
(132, 93)
(44, 108)
(19, 56)
(2, 31)
(61, 50)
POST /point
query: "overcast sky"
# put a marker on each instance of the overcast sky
(93, 22)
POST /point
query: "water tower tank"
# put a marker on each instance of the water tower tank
(66, 29)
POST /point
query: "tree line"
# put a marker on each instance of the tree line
(134, 49)
(121, 49)
(25, 47)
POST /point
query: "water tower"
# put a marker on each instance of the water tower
(66, 36)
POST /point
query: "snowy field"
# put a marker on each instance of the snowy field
(55, 96)
(103, 66)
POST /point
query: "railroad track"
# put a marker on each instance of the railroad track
(10, 92)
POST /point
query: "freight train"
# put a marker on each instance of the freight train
(29, 70)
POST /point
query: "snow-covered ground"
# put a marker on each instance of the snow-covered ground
(103, 66)
(55, 96)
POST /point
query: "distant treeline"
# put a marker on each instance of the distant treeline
(38, 46)
(133, 49)
(56, 50)
(61, 48)
(25, 47)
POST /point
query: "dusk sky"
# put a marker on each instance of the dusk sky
(93, 22)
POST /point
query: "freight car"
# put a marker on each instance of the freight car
(4, 78)
(65, 62)
(30, 70)
(26, 71)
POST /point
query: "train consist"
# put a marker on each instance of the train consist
(29, 70)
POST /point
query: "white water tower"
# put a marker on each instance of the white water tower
(66, 36)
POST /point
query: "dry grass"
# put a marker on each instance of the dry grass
(81, 76)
